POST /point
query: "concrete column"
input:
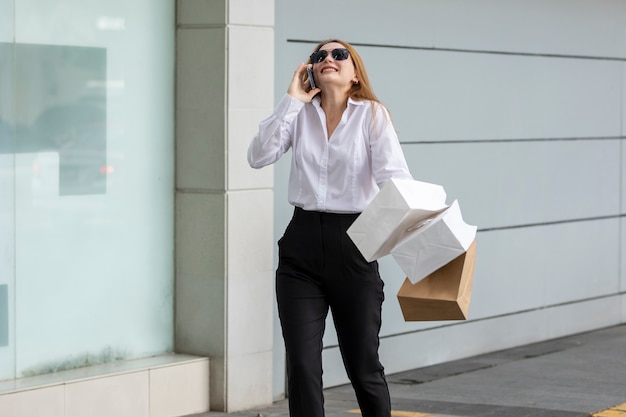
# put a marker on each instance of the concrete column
(224, 209)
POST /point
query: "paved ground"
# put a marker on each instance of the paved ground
(580, 375)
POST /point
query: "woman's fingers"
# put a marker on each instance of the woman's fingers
(300, 86)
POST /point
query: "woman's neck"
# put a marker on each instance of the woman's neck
(334, 102)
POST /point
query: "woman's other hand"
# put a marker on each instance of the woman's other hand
(300, 87)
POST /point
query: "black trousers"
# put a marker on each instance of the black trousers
(320, 268)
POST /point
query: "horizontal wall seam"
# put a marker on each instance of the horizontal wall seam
(220, 191)
(201, 26)
(475, 51)
(550, 223)
(219, 26)
(515, 140)
(513, 313)
(200, 191)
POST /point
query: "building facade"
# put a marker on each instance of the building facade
(137, 248)
(517, 109)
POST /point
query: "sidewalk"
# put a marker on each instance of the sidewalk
(580, 375)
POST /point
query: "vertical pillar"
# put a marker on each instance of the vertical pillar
(224, 209)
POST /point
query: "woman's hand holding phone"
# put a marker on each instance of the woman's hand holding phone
(301, 86)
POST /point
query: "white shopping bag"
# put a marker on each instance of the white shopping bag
(434, 243)
(395, 211)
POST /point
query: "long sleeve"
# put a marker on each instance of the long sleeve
(387, 157)
(274, 136)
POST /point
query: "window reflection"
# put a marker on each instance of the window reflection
(57, 111)
(111, 23)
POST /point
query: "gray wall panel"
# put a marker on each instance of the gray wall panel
(575, 27)
(536, 267)
(622, 248)
(581, 260)
(437, 96)
(623, 98)
(508, 184)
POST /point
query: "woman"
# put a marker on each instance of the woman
(344, 149)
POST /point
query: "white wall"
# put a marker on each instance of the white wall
(518, 110)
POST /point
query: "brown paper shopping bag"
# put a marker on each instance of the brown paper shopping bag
(442, 295)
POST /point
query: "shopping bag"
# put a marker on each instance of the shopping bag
(399, 207)
(442, 295)
(434, 243)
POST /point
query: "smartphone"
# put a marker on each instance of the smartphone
(311, 79)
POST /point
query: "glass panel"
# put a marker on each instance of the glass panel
(93, 182)
(7, 193)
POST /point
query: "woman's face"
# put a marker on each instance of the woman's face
(331, 72)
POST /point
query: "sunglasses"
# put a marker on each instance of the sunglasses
(338, 54)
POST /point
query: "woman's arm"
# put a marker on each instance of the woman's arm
(387, 157)
(274, 136)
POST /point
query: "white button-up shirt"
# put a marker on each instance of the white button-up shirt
(340, 174)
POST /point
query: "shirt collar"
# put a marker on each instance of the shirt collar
(317, 101)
